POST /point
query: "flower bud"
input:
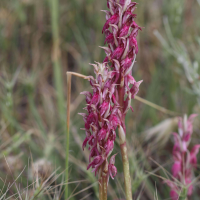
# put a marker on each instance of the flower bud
(122, 135)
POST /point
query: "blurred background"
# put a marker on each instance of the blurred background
(40, 40)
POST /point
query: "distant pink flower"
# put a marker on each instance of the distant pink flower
(184, 160)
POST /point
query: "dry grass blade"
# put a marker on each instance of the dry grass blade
(74, 190)
(78, 75)
(160, 133)
(153, 105)
(84, 189)
(86, 196)
(13, 182)
(68, 128)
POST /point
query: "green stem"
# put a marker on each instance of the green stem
(100, 188)
(104, 186)
(123, 147)
(54, 4)
(183, 195)
(103, 181)
(127, 178)
(104, 176)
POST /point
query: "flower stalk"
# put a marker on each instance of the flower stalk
(100, 188)
(127, 177)
(68, 134)
(105, 181)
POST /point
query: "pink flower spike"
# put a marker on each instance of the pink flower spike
(105, 107)
(184, 160)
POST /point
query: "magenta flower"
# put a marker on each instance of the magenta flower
(102, 119)
(113, 88)
(120, 35)
(103, 106)
(184, 160)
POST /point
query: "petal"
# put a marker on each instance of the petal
(174, 195)
(88, 96)
(135, 88)
(104, 108)
(191, 117)
(176, 168)
(112, 159)
(126, 62)
(193, 155)
(118, 52)
(96, 161)
(112, 20)
(102, 134)
(85, 143)
(109, 39)
(124, 31)
(95, 99)
(109, 147)
(112, 171)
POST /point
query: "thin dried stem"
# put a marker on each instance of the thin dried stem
(79, 75)
(68, 128)
(153, 105)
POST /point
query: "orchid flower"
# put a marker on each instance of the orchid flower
(113, 88)
(185, 160)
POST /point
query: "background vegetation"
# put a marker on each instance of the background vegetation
(41, 40)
